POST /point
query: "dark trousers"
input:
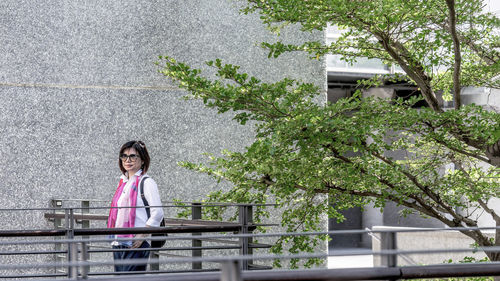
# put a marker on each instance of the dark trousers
(125, 255)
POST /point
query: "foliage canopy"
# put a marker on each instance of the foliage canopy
(304, 150)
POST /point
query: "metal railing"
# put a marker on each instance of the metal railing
(76, 249)
(79, 264)
(74, 225)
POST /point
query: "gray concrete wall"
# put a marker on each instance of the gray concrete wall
(77, 79)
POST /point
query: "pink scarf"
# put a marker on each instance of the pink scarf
(124, 217)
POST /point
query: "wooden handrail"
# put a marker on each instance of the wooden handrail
(168, 221)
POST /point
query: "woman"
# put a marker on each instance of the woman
(134, 163)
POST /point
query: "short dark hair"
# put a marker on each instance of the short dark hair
(140, 147)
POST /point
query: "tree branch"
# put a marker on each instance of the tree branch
(486, 160)
(456, 51)
(424, 209)
(414, 70)
(493, 153)
(435, 197)
(490, 57)
(490, 211)
(266, 179)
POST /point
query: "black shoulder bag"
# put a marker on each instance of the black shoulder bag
(154, 243)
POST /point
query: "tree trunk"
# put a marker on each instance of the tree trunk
(496, 256)
(493, 153)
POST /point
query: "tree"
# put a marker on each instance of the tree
(304, 150)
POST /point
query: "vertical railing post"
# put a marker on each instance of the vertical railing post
(85, 259)
(72, 250)
(388, 242)
(196, 215)
(154, 260)
(245, 215)
(85, 204)
(230, 271)
(57, 204)
(85, 210)
(73, 259)
(58, 257)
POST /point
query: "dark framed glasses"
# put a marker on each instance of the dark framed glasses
(132, 157)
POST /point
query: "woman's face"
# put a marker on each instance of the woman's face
(131, 161)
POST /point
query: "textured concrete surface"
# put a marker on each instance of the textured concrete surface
(78, 79)
(116, 42)
(55, 141)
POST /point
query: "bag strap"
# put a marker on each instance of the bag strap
(141, 190)
(146, 204)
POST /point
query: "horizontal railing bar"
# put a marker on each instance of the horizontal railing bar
(219, 240)
(251, 245)
(168, 221)
(150, 272)
(259, 246)
(379, 273)
(176, 255)
(78, 200)
(102, 240)
(32, 232)
(199, 248)
(305, 256)
(149, 230)
(108, 249)
(214, 259)
(31, 253)
(153, 230)
(168, 249)
(342, 253)
(57, 232)
(457, 270)
(181, 256)
(254, 266)
(219, 204)
(265, 224)
(30, 209)
(371, 273)
(185, 203)
(77, 216)
(102, 231)
(34, 275)
(157, 206)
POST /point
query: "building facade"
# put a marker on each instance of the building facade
(342, 82)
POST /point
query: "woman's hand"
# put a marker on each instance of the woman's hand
(138, 243)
